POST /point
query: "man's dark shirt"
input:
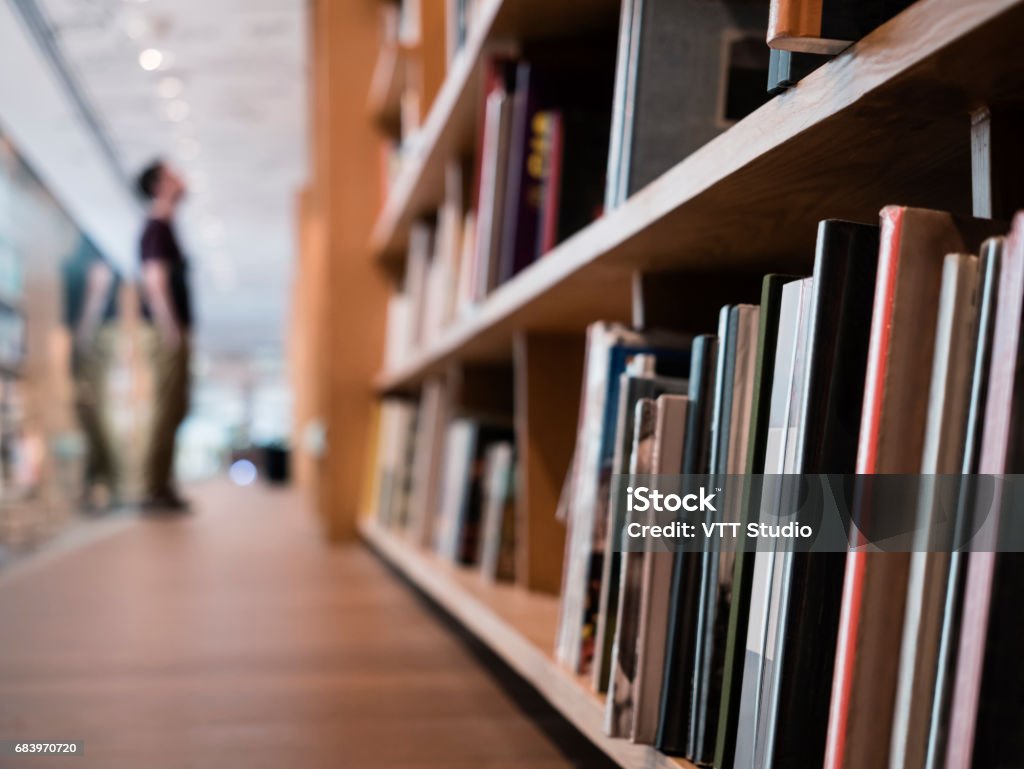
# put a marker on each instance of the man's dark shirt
(159, 243)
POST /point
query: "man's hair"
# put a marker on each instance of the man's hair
(149, 179)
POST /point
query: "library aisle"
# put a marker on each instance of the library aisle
(235, 637)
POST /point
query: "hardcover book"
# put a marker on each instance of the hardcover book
(684, 600)
(656, 590)
(845, 270)
(826, 26)
(620, 705)
(656, 123)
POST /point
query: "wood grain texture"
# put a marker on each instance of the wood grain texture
(344, 39)
(548, 372)
(519, 627)
(235, 638)
(843, 143)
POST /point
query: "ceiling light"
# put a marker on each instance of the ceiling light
(151, 59)
(177, 111)
(170, 87)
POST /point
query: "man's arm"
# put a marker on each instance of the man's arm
(156, 285)
(97, 289)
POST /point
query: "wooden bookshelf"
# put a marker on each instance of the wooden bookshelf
(519, 626)
(841, 144)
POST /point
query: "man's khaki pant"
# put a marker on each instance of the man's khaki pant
(171, 377)
(89, 372)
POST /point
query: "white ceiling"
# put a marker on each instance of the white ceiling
(227, 105)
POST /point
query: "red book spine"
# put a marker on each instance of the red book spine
(553, 186)
(867, 453)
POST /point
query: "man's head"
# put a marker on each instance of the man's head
(159, 182)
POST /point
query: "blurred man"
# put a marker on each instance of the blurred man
(167, 307)
(90, 313)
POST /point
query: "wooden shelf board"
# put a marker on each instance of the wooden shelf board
(885, 122)
(384, 102)
(519, 627)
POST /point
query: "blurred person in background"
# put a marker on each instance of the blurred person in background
(91, 286)
(167, 308)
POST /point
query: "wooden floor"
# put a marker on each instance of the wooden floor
(235, 638)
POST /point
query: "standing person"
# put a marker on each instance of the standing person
(166, 305)
(91, 288)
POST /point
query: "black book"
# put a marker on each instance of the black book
(845, 270)
(685, 597)
(703, 670)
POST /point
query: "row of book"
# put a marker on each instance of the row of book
(569, 129)
(534, 180)
(901, 353)
(446, 481)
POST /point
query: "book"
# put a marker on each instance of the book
(639, 381)
(655, 123)
(460, 446)
(786, 68)
(551, 133)
(826, 26)
(521, 214)
(429, 452)
(845, 270)
(620, 704)
(986, 701)
(945, 432)
(497, 543)
(739, 609)
(421, 237)
(914, 243)
(491, 197)
(656, 590)
(952, 606)
(684, 601)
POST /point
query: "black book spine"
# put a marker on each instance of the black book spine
(845, 271)
(674, 717)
